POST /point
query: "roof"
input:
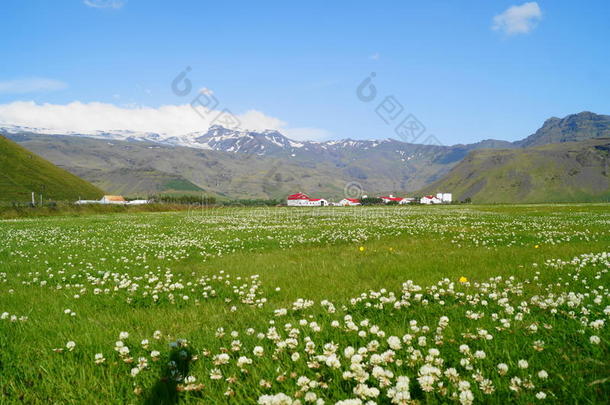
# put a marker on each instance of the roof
(298, 196)
(391, 198)
(113, 198)
(354, 200)
(430, 196)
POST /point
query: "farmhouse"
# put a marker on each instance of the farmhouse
(444, 197)
(399, 200)
(349, 202)
(430, 199)
(303, 200)
(112, 199)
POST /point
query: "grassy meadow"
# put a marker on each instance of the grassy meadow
(387, 305)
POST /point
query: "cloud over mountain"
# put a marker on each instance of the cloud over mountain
(168, 119)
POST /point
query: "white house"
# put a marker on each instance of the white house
(112, 199)
(349, 202)
(444, 197)
(303, 200)
(430, 199)
(399, 200)
(298, 200)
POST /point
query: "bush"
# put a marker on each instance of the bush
(371, 201)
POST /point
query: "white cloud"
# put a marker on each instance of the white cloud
(116, 4)
(375, 56)
(30, 85)
(168, 119)
(518, 19)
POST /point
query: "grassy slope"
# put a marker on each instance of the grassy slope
(139, 182)
(552, 173)
(22, 172)
(34, 374)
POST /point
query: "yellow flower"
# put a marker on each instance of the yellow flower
(391, 249)
(463, 279)
(361, 248)
(536, 247)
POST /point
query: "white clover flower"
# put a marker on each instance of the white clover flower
(466, 397)
(99, 358)
(190, 379)
(70, 345)
(541, 395)
(157, 335)
(135, 371)
(123, 335)
(523, 364)
(258, 351)
(594, 339)
(543, 374)
(502, 368)
(479, 354)
(394, 343)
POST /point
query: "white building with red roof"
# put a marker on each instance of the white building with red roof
(303, 200)
(430, 199)
(399, 200)
(349, 202)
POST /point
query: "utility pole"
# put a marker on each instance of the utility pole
(33, 200)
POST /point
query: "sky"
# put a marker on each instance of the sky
(465, 71)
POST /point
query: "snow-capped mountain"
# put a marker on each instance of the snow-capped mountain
(218, 138)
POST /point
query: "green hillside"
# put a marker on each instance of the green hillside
(22, 172)
(571, 171)
(138, 182)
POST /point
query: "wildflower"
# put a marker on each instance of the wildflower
(543, 374)
(502, 368)
(463, 279)
(523, 364)
(541, 395)
(123, 335)
(99, 358)
(361, 248)
(70, 345)
(594, 339)
(466, 397)
(135, 371)
(258, 351)
(157, 334)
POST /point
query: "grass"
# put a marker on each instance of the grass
(48, 265)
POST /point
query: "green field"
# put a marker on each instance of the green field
(445, 304)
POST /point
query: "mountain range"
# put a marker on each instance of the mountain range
(267, 164)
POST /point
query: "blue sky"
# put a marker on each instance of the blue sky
(468, 70)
